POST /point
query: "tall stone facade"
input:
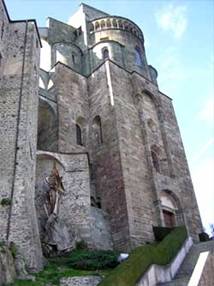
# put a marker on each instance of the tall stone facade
(103, 119)
(19, 53)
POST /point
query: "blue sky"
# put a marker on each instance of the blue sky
(179, 41)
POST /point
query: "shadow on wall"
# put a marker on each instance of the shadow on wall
(47, 126)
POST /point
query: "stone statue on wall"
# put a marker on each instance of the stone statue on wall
(57, 238)
(56, 190)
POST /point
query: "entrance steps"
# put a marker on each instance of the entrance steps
(184, 273)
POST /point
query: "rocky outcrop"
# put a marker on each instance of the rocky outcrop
(7, 265)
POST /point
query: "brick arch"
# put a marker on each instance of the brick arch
(43, 155)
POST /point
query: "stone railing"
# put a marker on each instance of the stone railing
(161, 274)
(114, 22)
(203, 271)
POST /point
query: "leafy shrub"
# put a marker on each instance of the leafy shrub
(161, 232)
(81, 245)
(129, 272)
(13, 249)
(203, 236)
(92, 260)
(2, 243)
(5, 202)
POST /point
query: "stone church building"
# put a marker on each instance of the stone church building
(82, 97)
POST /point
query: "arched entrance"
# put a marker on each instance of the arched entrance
(171, 210)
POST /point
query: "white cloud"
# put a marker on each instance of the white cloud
(207, 111)
(203, 151)
(173, 18)
(202, 166)
(203, 181)
(172, 72)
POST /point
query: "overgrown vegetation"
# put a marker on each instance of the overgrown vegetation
(5, 202)
(102, 262)
(203, 236)
(93, 260)
(128, 273)
(13, 249)
(161, 232)
(81, 245)
(89, 262)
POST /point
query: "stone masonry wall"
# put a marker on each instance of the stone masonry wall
(139, 191)
(100, 229)
(180, 170)
(19, 96)
(8, 107)
(105, 158)
(4, 30)
(73, 108)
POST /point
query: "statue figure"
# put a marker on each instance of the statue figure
(56, 189)
(57, 237)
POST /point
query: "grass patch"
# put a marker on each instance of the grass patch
(93, 260)
(128, 273)
(89, 262)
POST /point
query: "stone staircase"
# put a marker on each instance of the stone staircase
(183, 276)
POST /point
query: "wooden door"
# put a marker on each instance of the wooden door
(169, 218)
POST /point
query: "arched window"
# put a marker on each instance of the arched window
(97, 130)
(114, 22)
(103, 24)
(2, 30)
(97, 25)
(120, 24)
(73, 59)
(138, 57)
(155, 161)
(105, 53)
(78, 135)
(151, 124)
(108, 23)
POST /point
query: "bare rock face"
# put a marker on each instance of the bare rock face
(57, 235)
(80, 281)
(7, 266)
